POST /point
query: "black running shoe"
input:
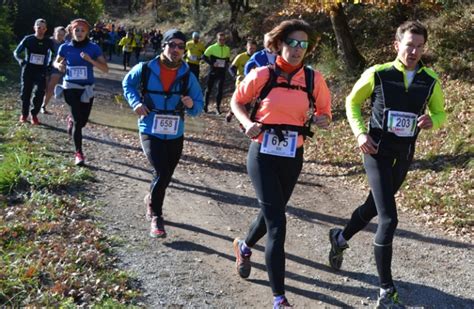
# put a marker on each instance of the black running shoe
(336, 254)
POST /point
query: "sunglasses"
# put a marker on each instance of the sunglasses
(173, 45)
(294, 43)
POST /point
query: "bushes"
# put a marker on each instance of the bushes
(6, 35)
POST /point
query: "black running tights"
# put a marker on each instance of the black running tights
(385, 176)
(273, 179)
(80, 113)
(164, 156)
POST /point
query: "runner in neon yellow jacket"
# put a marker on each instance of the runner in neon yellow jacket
(400, 92)
(218, 57)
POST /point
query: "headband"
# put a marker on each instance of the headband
(76, 23)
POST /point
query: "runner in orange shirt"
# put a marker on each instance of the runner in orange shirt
(277, 127)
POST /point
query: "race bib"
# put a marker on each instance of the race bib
(37, 59)
(165, 124)
(193, 57)
(220, 63)
(286, 148)
(402, 124)
(78, 72)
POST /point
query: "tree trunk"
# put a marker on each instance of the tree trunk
(349, 52)
(234, 12)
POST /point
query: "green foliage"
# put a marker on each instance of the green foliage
(56, 13)
(6, 34)
(450, 41)
(27, 165)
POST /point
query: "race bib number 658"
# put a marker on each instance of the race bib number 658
(165, 124)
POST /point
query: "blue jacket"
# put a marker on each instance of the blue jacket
(259, 59)
(131, 88)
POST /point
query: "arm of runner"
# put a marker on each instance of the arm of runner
(322, 96)
(195, 95)
(131, 85)
(18, 50)
(60, 64)
(436, 113)
(248, 91)
(362, 90)
(100, 63)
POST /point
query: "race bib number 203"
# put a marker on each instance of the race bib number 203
(402, 124)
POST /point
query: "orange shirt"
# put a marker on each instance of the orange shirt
(283, 105)
(167, 76)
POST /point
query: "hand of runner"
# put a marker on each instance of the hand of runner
(321, 121)
(367, 144)
(187, 101)
(141, 109)
(253, 129)
(425, 122)
(62, 66)
(86, 57)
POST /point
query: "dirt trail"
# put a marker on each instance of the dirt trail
(211, 201)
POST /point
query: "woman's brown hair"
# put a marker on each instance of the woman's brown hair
(281, 32)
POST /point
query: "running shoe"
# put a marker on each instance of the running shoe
(34, 120)
(70, 124)
(281, 303)
(147, 201)
(23, 119)
(336, 254)
(389, 299)
(242, 261)
(43, 110)
(79, 159)
(157, 228)
(228, 117)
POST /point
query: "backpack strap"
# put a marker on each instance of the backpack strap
(183, 90)
(145, 76)
(272, 83)
(269, 85)
(309, 78)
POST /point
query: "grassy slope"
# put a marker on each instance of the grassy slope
(51, 252)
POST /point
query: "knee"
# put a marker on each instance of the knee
(386, 230)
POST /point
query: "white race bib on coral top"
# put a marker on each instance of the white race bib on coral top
(272, 145)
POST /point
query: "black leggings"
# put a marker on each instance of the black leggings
(194, 68)
(385, 175)
(29, 78)
(80, 112)
(164, 156)
(273, 179)
(126, 59)
(219, 76)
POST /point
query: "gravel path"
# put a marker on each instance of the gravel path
(211, 201)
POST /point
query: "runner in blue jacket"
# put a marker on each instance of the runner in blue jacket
(161, 92)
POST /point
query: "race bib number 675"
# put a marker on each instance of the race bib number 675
(273, 146)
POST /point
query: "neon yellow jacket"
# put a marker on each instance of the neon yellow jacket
(194, 52)
(370, 80)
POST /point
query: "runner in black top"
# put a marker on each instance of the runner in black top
(34, 66)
